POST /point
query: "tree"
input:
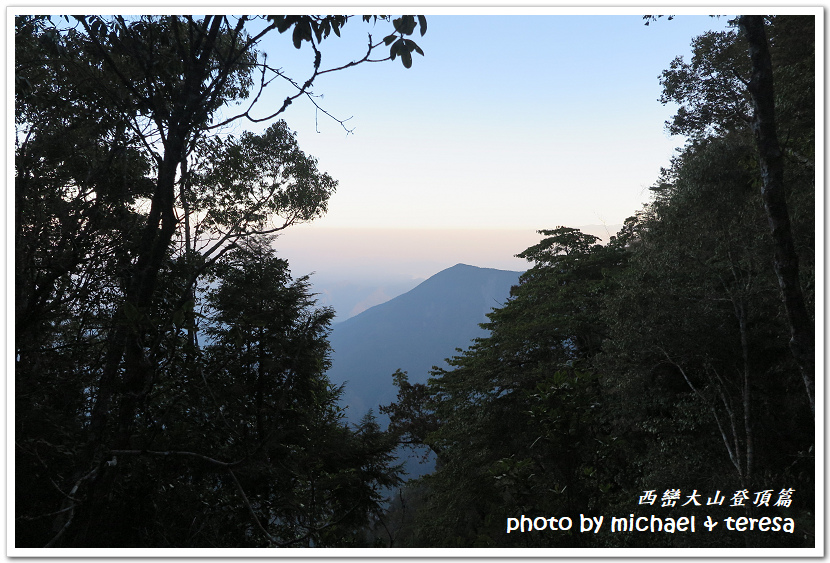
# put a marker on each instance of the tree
(297, 474)
(107, 233)
(512, 419)
(75, 187)
(411, 419)
(771, 160)
(695, 353)
(729, 85)
(655, 362)
(710, 89)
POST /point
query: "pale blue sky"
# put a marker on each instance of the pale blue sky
(508, 122)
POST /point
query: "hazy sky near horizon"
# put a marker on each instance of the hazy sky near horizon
(367, 254)
(508, 122)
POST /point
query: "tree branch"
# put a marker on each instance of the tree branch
(206, 459)
(251, 508)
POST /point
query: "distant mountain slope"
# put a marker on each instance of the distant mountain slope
(352, 297)
(413, 332)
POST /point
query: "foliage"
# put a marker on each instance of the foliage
(411, 420)
(510, 401)
(260, 398)
(129, 431)
(240, 185)
(657, 361)
(307, 28)
(711, 88)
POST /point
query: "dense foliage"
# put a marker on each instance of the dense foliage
(170, 385)
(661, 361)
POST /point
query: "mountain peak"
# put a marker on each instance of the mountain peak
(468, 269)
(414, 331)
(462, 266)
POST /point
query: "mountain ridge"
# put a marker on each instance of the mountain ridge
(413, 332)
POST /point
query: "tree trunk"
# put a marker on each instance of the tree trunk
(128, 375)
(771, 162)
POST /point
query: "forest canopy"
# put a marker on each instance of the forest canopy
(657, 374)
(170, 386)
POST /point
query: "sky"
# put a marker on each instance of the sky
(507, 125)
(507, 122)
(510, 123)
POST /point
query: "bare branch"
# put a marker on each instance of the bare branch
(312, 530)
(365, 58)
(206, 459)
(55, 513)
(251, 509)
(71, 508)
(733, 455)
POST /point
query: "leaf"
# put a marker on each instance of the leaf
(297, 37)
(422, 21)
(408, 25)
(302, 31)
(283, 22)
(389, 39)
(396, 49)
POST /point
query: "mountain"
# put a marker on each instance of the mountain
(350, 297)
(413, 332)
